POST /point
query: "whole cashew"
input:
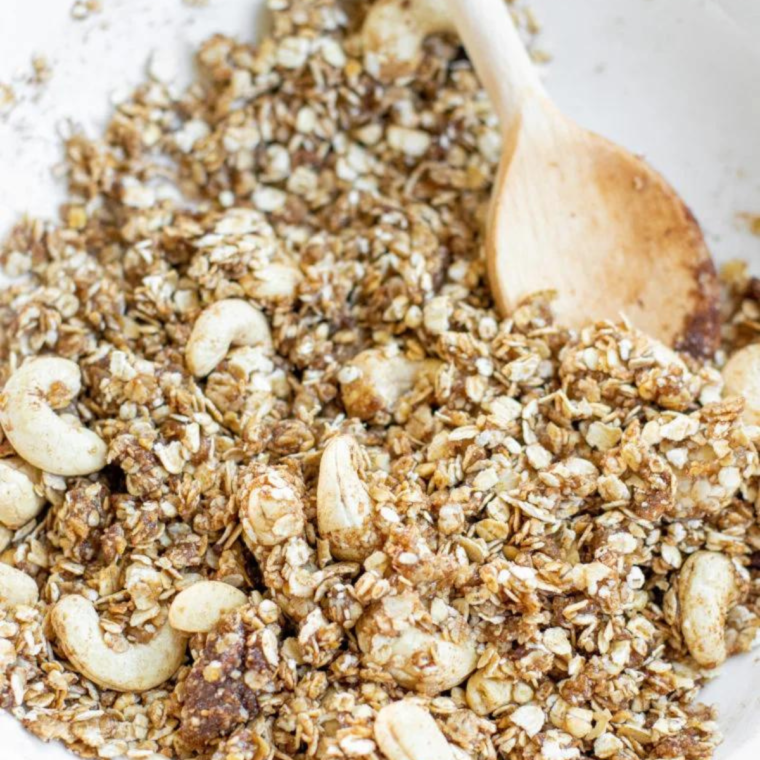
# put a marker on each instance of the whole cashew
(199, 608)
(406, 731)
(232, 322)
(55, 444)
(139, 668)
(394, 31)
(19, 502)
(344, 506)
(16, 587)
(708, 588)
(741, 376)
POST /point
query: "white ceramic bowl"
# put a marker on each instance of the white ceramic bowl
(676, 80)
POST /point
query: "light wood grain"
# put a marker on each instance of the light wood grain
(575, 213)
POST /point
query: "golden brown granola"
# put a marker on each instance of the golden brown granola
(509, 504)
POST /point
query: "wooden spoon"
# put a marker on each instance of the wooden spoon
(574, 213)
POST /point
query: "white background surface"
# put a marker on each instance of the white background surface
(676, 80)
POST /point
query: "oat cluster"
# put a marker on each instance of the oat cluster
(504, 523)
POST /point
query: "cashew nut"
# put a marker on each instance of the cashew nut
(271, 509)
(486, 694)
(199, 608)
(232, 322)
(405, 731)
(19, 502)
(344, 506)
(394, 31)
(577, 721)
(6, 536)
(17, 587)
(429, 659)
(275, 282)
(139, 668)
(708, 587)
(375, 380)
(741, 376)
(58, 445)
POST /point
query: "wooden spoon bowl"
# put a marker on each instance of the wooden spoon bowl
(573, 212)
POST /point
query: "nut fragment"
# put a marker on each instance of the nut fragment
(486, 694)
(741, 376)
(394, 31)
(530, 718)
(138, 668)
(577, 721)
(271, 507)
(19, 502)
(376, 379)
(344, 507)
(199, 608)
(405, 731)
(56, 444)
(708, 588)
(274, 282)
(232, 322)
(16, 587)
(397, 635)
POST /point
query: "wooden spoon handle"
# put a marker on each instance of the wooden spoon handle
(498, 54)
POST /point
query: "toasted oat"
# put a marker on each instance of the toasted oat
(82, 9)
(7, 99)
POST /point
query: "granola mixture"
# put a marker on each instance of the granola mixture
(500, 527)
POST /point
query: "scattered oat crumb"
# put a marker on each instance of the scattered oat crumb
(163, 66)
(752, 221)
(27, 85)
(41, 70)
(7, 99)
(530, 28)
(540, 56)
(82, 9)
